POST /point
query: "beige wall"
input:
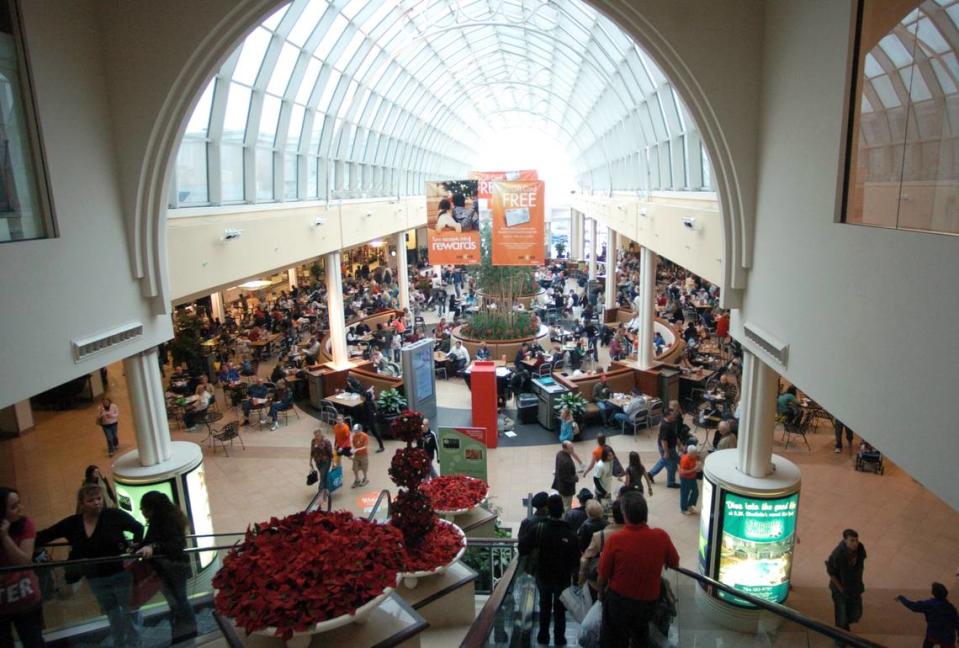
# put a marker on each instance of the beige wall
(274, 237)
(657, 223)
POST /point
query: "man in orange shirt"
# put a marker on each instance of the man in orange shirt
(597, 452)
(341, 435)
(361, 455)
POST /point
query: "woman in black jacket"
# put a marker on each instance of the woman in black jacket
(163, 545)
(97, 532)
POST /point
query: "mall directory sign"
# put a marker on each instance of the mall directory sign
(463, 452)
(756, 545)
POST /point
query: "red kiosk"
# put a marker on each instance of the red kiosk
(483, 386)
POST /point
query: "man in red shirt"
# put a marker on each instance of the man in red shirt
(630, 572)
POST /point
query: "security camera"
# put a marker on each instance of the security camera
(318, 221)
(689, 223)
(231, 233)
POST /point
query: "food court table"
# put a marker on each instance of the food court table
(346, 399)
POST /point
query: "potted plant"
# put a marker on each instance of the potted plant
(388, 406)
(574, 402)
(560, 248)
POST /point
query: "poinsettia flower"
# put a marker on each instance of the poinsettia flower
(455, 492)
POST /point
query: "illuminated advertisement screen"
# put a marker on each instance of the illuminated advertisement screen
(756, 546)
(200, 516)
(423, 371)
(705, 518)
(129, 496)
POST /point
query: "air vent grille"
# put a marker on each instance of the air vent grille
(83, 348)
(778, 350)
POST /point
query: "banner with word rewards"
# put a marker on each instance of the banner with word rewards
(518, 222)
(452, 221)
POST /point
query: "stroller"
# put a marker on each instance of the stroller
(869, 458)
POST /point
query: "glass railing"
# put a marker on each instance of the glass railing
(510, 617)
(75, 614)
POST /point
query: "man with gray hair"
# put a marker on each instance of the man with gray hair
(564, 475)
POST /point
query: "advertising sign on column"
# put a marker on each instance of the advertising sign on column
(452, 219)
(757, 545)
(518, 223)
(462, 451)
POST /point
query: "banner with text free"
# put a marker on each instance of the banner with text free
(518, 222)
(452, 222)
(462, 451)
(484, 187)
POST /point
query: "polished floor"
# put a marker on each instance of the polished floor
(911, 536)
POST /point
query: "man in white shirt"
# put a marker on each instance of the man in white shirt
(459, 356)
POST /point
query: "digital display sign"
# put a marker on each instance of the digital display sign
(704, 523)
(200, 515)
(129, 496)
(423, 371)
(756, 546)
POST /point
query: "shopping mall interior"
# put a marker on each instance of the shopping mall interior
(237, 220)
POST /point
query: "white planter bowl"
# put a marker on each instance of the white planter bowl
(450, 514)
(411, 579)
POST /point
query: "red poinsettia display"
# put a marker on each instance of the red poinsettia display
(294, 572)
(409, 467)
(408, 426)
(455, 492)
(438, 548)
(412, 514)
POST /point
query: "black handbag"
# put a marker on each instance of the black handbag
(312, 477)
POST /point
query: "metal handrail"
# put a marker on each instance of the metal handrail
(480, 628)
(847, 638)
(376, 505)
(50, 564)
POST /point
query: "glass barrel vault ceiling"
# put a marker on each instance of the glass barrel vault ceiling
(352, 98)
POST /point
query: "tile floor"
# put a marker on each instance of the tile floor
(912, 536)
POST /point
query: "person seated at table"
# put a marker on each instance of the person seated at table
(601, 394)
(204, 396)
(362, 328)
(617, 346)
(787, 404)
(577, 354)
(279, 371)
(458, 357)
(382, 365)
(725, 436)
(483, 352)
(312, 350)
(634, 408)
(730, 391)
(690, 333)
(281, 403)
(658, 342)
(523, 353)
(257, 396)
(229, 374)
(440, 328)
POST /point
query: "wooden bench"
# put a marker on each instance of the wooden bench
(619, 380)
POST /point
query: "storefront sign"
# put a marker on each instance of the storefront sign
(518, 223)
(462, 451)
(756, 546)
(452, 220)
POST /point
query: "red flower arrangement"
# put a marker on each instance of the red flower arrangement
(408, 426)
(409, 467)
(438, 548)
(294, 572)
(412, 514)
(455, 492)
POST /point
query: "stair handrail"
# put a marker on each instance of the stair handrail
(480, 628)
(838, 634)
(376, 505)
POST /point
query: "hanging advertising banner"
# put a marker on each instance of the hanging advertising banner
(452, 221)
(484, 188)
(756, 548)
(462, 451)
(518, 222)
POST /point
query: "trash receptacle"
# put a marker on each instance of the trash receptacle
(527, 408)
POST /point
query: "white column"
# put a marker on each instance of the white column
(334, 306)
(592, 248)
(402, 270)
(647, 310)
(293, 280)
(145, 387)
(758, 417)
(610, 268)
(216, 301)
